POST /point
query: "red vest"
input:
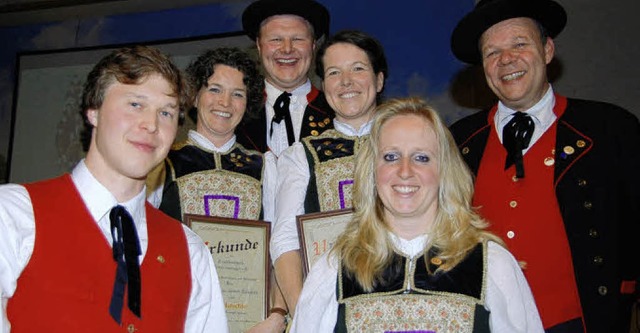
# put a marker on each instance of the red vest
(67, 284)
(525, 213)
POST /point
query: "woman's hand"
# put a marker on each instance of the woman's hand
(275, 323)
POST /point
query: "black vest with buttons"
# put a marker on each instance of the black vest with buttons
(334, 153)
(188, 159)
(466, 278)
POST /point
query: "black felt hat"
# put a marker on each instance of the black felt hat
(312, 11)
(465, 37)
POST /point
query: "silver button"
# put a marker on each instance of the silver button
(593, 233)
(602, 290)
(511, 234)
(588, 204)
(513, 204)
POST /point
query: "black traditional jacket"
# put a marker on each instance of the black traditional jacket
(598, 192)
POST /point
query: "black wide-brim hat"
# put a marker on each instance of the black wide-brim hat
(310, 10)
(466, 35)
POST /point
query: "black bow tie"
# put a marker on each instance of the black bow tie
(516, 136)
(281, 111)
(126, 249)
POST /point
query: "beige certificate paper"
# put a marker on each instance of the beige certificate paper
(240, 250)
(318, 232)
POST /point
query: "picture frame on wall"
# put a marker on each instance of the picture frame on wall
(46, 121)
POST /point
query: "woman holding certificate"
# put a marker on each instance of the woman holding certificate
(415, 256)
(316, 174)
(211, 174)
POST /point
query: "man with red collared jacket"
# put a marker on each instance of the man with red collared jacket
(556, 177)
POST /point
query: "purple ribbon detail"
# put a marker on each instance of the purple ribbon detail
(341, 185)
(209, 197)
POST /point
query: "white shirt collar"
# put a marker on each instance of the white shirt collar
(279, 142)
(347, 129)
(300, 92)
(99, 200)
(410, 248)
(541, 112)
(204, 143)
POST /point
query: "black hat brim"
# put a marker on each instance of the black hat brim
(312, 11)
(466, 35)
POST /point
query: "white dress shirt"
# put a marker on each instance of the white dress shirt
(206, 312)
(541, 113)
(291, 190)
(269, 174)
(279, 142)
(508, 297)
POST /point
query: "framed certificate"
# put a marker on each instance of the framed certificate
(240, 251)
(318, 232)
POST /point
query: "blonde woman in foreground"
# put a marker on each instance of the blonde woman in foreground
(415, 256)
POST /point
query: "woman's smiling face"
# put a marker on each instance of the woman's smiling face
(221, 104)
(407, 175)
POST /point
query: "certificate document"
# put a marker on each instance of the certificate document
(318, 232)
(240, 251)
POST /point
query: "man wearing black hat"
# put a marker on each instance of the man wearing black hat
(556, 177)
(286, 32)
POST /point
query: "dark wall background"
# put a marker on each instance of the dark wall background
(596, 54)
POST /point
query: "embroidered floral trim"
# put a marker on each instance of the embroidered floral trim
(410, 312)
(334, 177)
(334, 180)
(220, 193)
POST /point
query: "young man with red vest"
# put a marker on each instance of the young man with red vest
(84, 251)
(556, 177)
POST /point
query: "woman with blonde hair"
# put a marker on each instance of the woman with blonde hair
(415, 256)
